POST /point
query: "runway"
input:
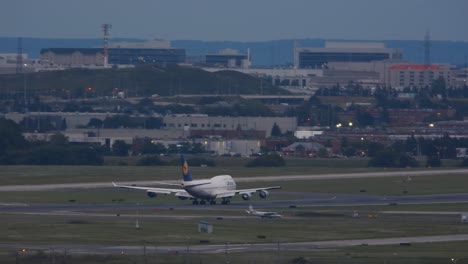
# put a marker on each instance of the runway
(306, 200)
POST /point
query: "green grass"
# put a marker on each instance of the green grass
(12, 175)
(441, 207)
(67, 229)
(419, 185)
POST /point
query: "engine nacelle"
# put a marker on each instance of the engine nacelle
(151, 194)
(182, 198)
(263, 194)
(246, 196)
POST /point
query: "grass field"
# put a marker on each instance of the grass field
(112, 229)
(11, 175)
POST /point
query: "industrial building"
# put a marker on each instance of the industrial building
(343, 52)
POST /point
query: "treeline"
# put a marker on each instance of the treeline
(403, 153)
(16, 150)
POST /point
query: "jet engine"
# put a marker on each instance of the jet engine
(263, 193)
(246, 196)
(151, 194)
(182, 197)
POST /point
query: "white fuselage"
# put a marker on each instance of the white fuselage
(261, 214)
(208, 189)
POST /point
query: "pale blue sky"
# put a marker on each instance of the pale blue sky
(237, 20)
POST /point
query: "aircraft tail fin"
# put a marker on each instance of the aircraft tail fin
(185, 169)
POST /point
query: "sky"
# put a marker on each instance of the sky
(237, 20)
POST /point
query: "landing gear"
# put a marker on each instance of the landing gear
(225, 201)
(195, 201)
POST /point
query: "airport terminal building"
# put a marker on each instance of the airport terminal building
(228, 58)
(125, 53)
(317, 58)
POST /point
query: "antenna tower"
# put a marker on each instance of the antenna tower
(105, 29)
(19, 56)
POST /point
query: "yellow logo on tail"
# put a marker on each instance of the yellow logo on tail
(185, 168)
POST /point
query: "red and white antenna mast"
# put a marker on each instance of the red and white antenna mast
(105, 29)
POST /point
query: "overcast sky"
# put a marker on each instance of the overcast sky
(237, 20)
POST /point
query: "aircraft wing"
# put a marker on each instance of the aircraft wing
(242, 191)
(250, 191)
(176, 192)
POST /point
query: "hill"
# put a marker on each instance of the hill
(139, 81)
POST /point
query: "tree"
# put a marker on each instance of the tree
(465, 162)
(152, 148)
(433, 161)
(322, 152)
(151, 161)
(119, 121)
(272, 160)
(385, 116)
(276, 131)
(63, 125)
(95, 122)
(385, 158)
(406, 160)
(438, 87)
(364, 119)
(153, 123)
(58, 139)
(120, 148)
(10, 136)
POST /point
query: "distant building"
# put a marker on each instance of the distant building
(8, 64)
(126, 53)
(302, 149)
(419, 75)
(228, 58)
(343, 52)
(203, 125)
(73, 56)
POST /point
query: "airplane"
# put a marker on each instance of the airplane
(203, 191)
(261, 214)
